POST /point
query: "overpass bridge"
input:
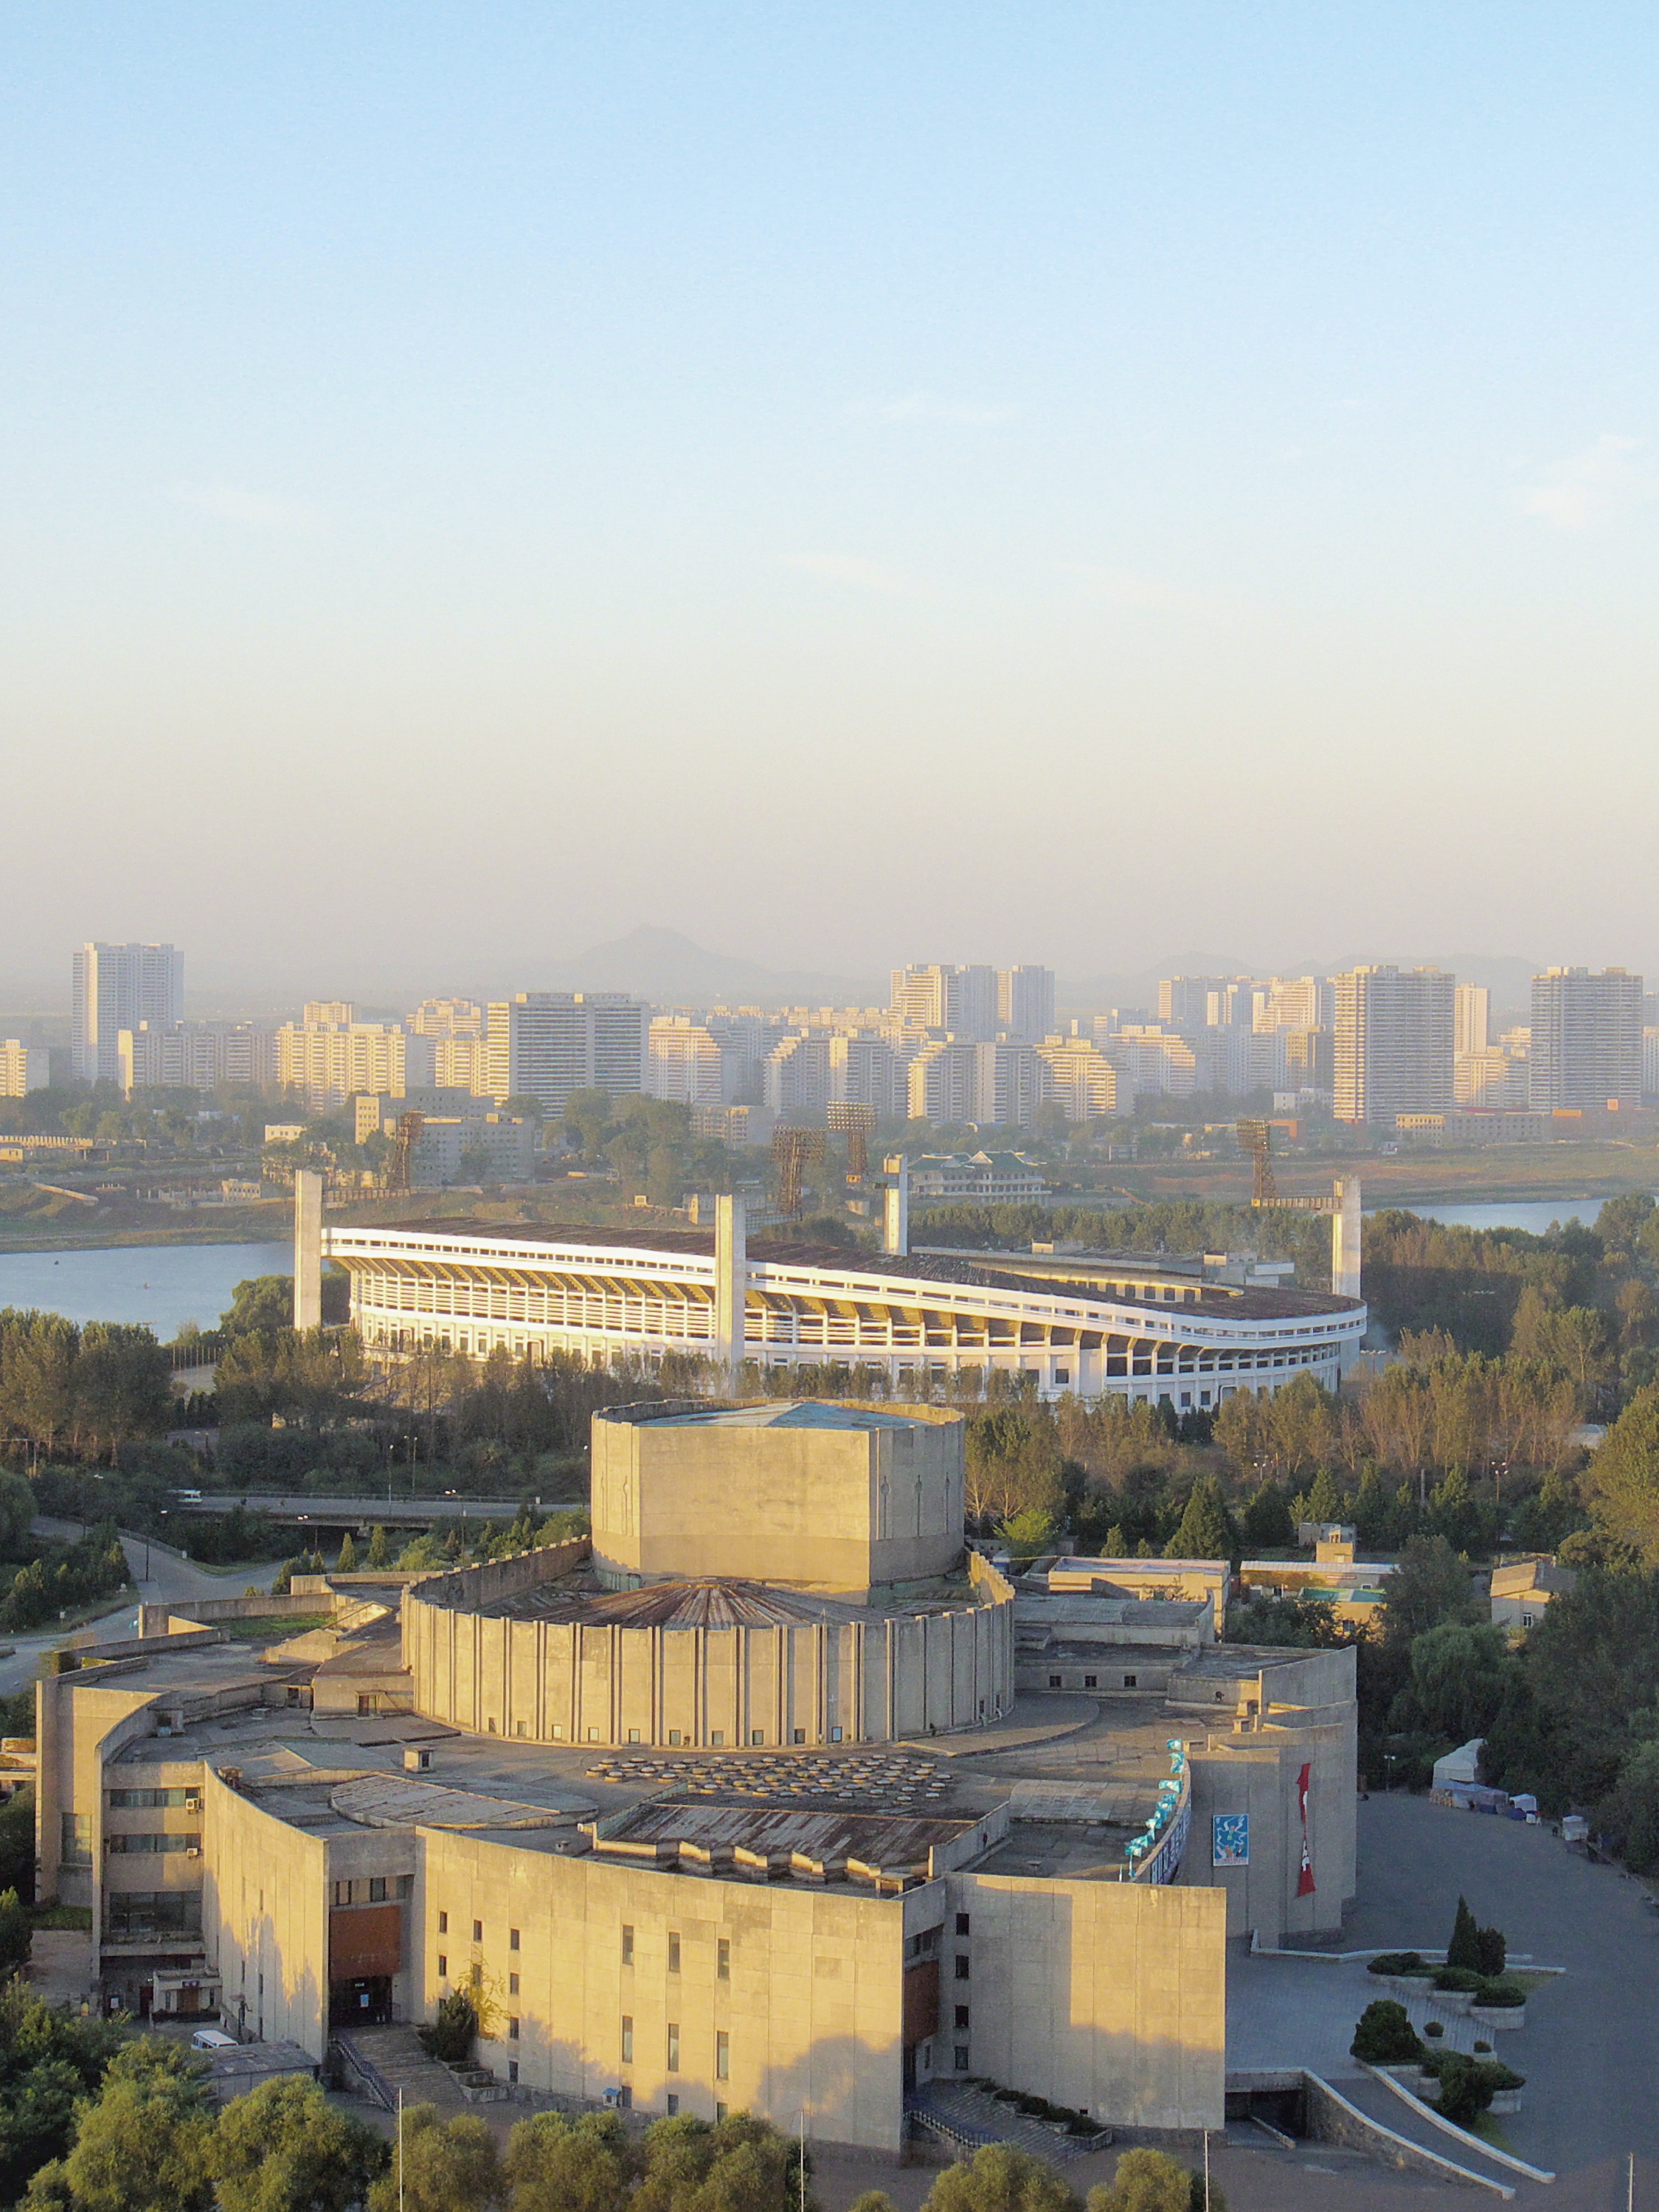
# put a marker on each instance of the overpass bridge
(361, 1514)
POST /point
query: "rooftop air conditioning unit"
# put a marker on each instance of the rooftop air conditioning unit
(194, 1851)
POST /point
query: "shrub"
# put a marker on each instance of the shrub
(1384, 2035)
(1491, 1952)
(1467, 2086)
(1458, 1979)
(1398, 1962)
(1434, 2027)
(1482, 2050)
(450, 2038)
(1503, 1995)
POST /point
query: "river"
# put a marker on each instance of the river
(163, 1285)
(1533, 1214)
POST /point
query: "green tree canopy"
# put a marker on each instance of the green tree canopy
(283, 2148)
(556, 2164)
(449, 2165)
(1430, 1585)
(1205, 1529)
(1149, 2180)
(143, 2147)
(1000, 2178)
(1459, 1675)
(1623, 1476)
(263, 1302)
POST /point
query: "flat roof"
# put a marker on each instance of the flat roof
(790, 1413)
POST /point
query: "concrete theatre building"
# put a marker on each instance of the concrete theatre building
(773, 1799)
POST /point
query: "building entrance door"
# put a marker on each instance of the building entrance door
(363, 2002)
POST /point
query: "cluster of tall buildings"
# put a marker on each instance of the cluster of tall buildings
(1383, 1047)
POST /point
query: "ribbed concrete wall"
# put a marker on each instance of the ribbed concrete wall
(868, 1679)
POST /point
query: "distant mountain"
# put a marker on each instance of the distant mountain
(671, 970)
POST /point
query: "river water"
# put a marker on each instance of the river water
(164, 1285)
(1533, 1214)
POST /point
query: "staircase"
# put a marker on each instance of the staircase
(378, 2061)
(963, 2116)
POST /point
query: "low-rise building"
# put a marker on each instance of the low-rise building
(1522, 1588)
(987, 1178)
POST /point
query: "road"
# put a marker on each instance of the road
(365, 1512)
(169, 1578)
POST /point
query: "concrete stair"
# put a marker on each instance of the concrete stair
(966, 2116)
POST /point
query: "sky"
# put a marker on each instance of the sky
(854, 483)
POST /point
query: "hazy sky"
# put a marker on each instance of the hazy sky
(853, 483)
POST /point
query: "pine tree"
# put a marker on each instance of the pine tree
(1267, 1525)
(380, 1548)
(347, 1562)
(1207, 1530)
(1325, 1501)
(1464, 1949)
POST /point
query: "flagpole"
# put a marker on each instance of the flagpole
(1206, 2170)
(400, 2150)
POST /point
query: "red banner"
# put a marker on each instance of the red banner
(1305, 1887)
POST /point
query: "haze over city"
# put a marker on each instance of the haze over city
(838, 486)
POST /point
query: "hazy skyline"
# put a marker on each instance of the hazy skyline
(874, 484)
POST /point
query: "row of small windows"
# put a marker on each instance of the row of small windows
(722, 1946)
(671, 2047)
(1090, 1682)
(373, 1889)
(179, 1799)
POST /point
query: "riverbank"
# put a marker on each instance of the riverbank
(1498, 1174)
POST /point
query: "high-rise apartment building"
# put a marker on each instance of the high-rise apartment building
(1392, 1050)
(447, 1018)
(963, 1000)
(1472, 1017)
(1025, 1003)
(115, 988)
(545, 1045)
(1586, 1040)
(687, 1061)
(328, 1062)
(23, 1068)
(1152, 1058)
(1081, 1080)
(196, 1056)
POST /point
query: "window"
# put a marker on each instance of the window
(443, 1968)
(513, 1985)
(377, 1889)
(477, 1931)
(592, 1735)
(1054, 1681)
(722, 2056)
(1062, 1377)
(1091, 1681)
(798, 1735)
(151, 1800)
(962, 1967)
(835, 1735)
(512, 2070)
(723, 1960)
(721, 2112)
(512, 1939)
(757, 1735)
(717, 1736)
(76, 1846)
(633, 1736)
(673, 1951)
(122, 1846)
(674, 2103)
(477, 1976)
(673, 2046)
(443, 1924)
(343, 1893)
(961, 2059)
(961, 2018)
(628, 2039)
(674, 1735)
(1130, 1680)
(628, 1946)
(964, 1924)
(512, 2027)
(519, 1729)
(624, 2099)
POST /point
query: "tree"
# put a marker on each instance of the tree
(17, 1843)
(742, 2164)
(1459, 1676)
(284, 2148)
(1205, 1531)
(1623, 1476)
(1000, 2178)
(1630, 1813)
(1267, 1524)
(143, 2146)
(379, 1547)
(1464, 1949)
(347, 1562)
(16, 1932)
(1152, 2181)
(555, 2164)
(439, 2166)
(455, 2028)
(123, 1385)
(263, 1303)
(1430, 1585)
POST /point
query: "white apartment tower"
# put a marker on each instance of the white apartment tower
(545, 1045)
(1472, 1015)
(1394, 1045)
(964, 1000)
(1586, 1040)
(116, 988)
(1025, 1003)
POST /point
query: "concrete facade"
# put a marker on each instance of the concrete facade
(831, 1499)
